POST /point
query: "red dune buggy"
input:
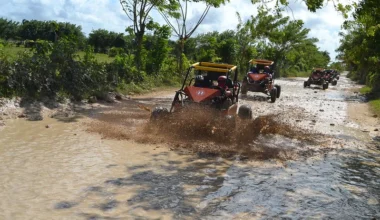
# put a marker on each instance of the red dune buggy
(330, 77)
(317, 77)
(212, 86)
(260, 78)
(336, 74)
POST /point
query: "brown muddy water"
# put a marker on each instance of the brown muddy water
(303, 158)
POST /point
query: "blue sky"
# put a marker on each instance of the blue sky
(93, 14)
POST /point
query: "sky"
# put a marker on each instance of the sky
(325, 24)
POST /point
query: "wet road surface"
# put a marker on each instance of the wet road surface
(64, 172)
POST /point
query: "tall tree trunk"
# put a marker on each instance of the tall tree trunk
(139, 48)
(182, 49)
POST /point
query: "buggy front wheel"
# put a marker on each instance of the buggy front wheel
(278, 87)
(325, 86)
(158, 113)
(273, 95)
(305, 84)
(245, 112)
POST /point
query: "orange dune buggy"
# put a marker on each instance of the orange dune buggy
(212, 85)
(260, 78)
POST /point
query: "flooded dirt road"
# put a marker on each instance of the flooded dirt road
(104, 165)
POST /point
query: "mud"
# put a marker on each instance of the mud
(304, 156)
(199, 131)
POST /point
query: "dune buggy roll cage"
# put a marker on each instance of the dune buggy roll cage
(319, 69)
(214, 70)
(261, 61)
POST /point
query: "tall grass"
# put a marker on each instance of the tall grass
(13, 51)
(374, 98)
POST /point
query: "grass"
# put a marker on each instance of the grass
(375, 105)
(374, 98)
(365, 90)
(103, 58)
(12, 52)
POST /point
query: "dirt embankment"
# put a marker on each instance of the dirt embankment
(361, 114)
(33, 110)
(37, 110)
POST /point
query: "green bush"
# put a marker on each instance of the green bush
(123, 66)
(5, 72)
(33, 75)
(2, 43)
(365, 90)
(56, 70)
(114, 51)
(373, 80)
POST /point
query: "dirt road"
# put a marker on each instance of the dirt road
(318, 156)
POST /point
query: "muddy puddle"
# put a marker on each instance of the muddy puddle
(293, 161)
(199, 131)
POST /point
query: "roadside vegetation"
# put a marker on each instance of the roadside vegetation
(55, 59)
(360, 49)
(373, 96)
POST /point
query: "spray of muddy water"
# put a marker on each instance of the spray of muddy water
(201, 131)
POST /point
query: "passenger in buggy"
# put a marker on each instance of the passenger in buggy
(202, 81)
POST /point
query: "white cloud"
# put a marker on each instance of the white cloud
(93, 14)
(324, 25)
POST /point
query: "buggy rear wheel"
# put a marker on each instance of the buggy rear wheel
(245, 112)
(278, 87)
(273, 95)
(305, 84)
(334, 83)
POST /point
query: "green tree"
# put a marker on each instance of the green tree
(158, 49)
(246, 37)
(8, 29)
(359, 48)
(227, 47)
(49, 30)
(100, 40)
(312, 5)
(178, 11)
(138, 12)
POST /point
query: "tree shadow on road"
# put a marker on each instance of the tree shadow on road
(171, 189)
